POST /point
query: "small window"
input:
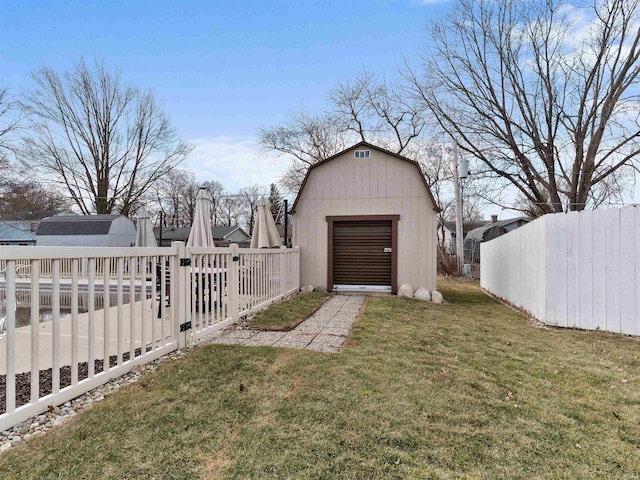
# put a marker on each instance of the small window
(362, 153)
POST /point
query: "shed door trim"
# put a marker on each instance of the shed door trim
(351, 218)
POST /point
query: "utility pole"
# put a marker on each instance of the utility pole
(458, 199)
(286, 222)
(161, 222)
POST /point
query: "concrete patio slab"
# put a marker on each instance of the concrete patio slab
(324, 331)
(264, 339)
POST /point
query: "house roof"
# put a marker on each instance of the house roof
(451, 226)
(77, 225)
(374, 147)
(172, 233)
(17, 231)
(478, 233)
(182, 233)
(221, 232)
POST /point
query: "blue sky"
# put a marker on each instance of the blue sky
(221, 69)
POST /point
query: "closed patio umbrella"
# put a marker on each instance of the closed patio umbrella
(200, 234)
(144, 232)
(265, 233)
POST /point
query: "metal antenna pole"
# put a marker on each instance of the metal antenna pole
(459, 232)
(286, 222)
(160, 235)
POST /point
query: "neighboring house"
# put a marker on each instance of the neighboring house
(171, 234)
(287, 241)
(489, 231)
(222, 235)
(448, 240)
(86, 231)
(365, 219)
(14, 232)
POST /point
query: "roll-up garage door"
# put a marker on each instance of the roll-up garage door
(362, 255)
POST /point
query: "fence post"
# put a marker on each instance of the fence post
(180, 297)
(233, 283)
(283, 271)
(296, 268)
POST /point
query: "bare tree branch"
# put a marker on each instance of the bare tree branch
(106, 142)
(548, 103)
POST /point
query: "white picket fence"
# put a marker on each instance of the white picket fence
(577, 270)
(149, 302)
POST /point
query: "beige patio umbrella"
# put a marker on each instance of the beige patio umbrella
(200, 234)
(265, 233)
(144, 231)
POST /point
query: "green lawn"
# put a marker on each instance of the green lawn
(288, 315)
(463, 390)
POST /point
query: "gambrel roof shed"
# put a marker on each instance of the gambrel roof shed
(365, 219)
(86, 231)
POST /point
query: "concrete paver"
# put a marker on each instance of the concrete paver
(264, 338)
(324, 331)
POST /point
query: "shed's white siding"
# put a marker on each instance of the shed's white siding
(122, 233)
(71, 240)
(379, 185)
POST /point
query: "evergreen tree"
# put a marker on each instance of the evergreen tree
(276, 201)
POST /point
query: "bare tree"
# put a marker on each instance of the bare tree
(8, 125)
(362, 109)
(29, 199)
(105, 141)
(249, 197)
(544, 93)
(216, 192)
(175, 193)
(304, 139)
(229, 210)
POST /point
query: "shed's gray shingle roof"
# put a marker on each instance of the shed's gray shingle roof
(478, 233)
(76, 225)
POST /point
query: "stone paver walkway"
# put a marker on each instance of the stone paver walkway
(324, 331)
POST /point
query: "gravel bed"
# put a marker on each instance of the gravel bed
(38, 425)
(23, 380)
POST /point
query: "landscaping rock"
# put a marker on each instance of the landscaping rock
(320, 289)
(405, 290)
(422, 294)
(436, 297)
(306, 288)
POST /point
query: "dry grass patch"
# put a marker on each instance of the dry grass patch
(463, 390)
(287, 315)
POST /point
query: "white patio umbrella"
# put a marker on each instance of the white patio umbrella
(265, 233)
(200, 234)
(144, 232)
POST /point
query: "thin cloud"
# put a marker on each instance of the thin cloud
(234, 162)
(430, 2)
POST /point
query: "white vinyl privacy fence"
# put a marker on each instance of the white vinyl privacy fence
(578, 270)
(74, 318)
